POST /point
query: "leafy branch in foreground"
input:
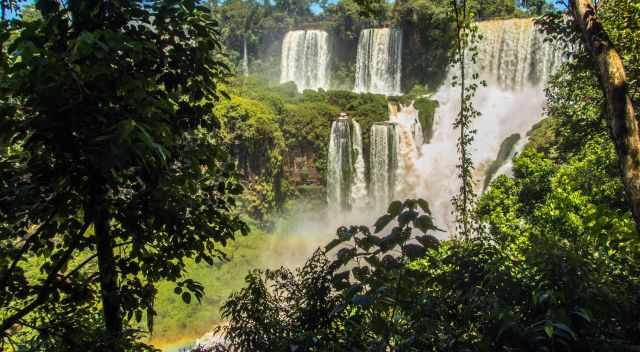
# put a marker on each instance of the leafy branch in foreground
(351, 295)
(112, 173)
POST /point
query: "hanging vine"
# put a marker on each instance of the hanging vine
(464, 59)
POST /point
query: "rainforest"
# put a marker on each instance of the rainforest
(319, 175)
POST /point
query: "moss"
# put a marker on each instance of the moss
(427, 109)
(506, 147)
(542, 135)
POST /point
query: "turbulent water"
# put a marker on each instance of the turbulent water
(305, 59)
(379, 61)
(515, 62)
(359, 183)
(409, 142)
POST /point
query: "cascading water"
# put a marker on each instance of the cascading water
(379, 61)
(359, 183)
(339, 167)
(408, 144)
(383, 163)
(245, 60)
(516, 62)
(305, 58)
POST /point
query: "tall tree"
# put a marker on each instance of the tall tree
(110, 154)
(615, 87)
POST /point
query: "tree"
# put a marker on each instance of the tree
(615, 87)
(536, 7)
(110, 152)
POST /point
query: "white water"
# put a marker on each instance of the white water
(245, 59)
(515, 63)
(383, 163)
(305, 58)
(408, 145)
(379, 61)
(359, 183)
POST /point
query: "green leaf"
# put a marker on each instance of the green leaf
(382, 222)
(186, 297)
(424, 205)
(428, 241)
(394, 208)
(362, 301)
(565, 330)
(414, 251)
(548, 329)
(361, 273)
(584, 314)
(406, 217)
(424, 223)
(341, 280)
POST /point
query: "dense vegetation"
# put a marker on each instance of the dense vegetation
(555, 266)
(132, 157)
(427, 27)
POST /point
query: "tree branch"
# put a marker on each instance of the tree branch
(46, 288)
(4, 277)
(91, 257)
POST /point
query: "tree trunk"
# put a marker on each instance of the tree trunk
(613, 81)
(108, 275)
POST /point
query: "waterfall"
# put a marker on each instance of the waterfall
(245, 59)
(339, 167)
(394, 152)
(407, 149)
(418, 134)
(379, 61)
(516, 62)
(383, 163)
(359, 184)
(305, 58)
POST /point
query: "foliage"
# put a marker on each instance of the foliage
(305, 121)
(178, 322)
(257, 144)
(522, 291)
(428, 33)
(487, 9)
(110, 151)
(465, 51)
(352, 302)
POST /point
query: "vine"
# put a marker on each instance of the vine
(465, 53)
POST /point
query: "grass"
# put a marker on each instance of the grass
(178, 324)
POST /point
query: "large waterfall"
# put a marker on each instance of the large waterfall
(513, 59)
(379, 61)
(305, 58)
(515, 62)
